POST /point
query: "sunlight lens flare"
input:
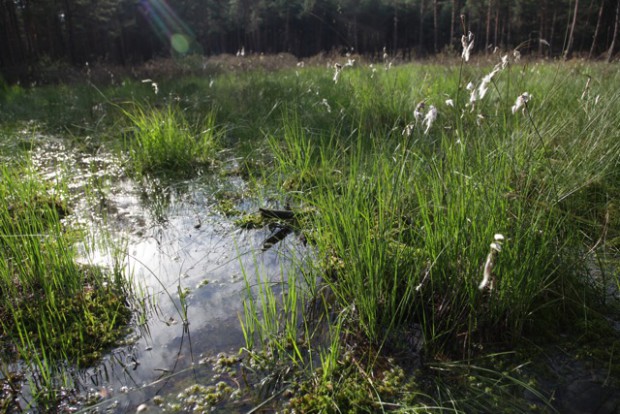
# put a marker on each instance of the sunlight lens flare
(180, 43)
(169, 27)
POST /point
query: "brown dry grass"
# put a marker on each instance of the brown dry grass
(162, 69)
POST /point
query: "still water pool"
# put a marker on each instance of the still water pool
(189, 267)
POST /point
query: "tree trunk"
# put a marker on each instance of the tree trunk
(421, 40)
(488, 26)
(508, 27)
(495, 38)
(588, 14)
(610, 51)
(569, 45)
(355, 32)
(287, 31)
(12, 45)
(435, 27)
(70, 31)
(452, 21)
(552, 34)
(30, 51)
(395, 34)
(596, 29)
(541, 26)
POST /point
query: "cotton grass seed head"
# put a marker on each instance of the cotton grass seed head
(473, 97)
(468, 45)
(153, 85)
(408, 130)
(484, 85)
(418, 112)
(487, 274)
(521, 102)
(504, 61)
(337, 70)
(430, 117)
(326, 105)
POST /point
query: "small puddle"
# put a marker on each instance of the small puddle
(176, 242)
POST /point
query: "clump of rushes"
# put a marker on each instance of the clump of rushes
(403, 225)
(165, 141)
(52, 309)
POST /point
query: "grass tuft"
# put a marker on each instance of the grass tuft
(164, 141)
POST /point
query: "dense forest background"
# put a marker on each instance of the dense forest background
(34, 33)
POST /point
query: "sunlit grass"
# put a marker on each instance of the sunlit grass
(404, 221)
(163, 141)
(403, 214)
(53, 309)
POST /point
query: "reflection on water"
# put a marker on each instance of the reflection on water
(186, 261)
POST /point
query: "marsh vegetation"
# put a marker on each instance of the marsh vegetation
(453, 226)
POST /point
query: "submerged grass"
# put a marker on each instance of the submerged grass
(53, 310)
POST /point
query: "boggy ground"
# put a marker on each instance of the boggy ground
(460, 223)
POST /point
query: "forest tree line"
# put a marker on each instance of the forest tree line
(34, 33)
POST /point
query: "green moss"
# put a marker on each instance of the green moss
(80, 327)
(250, 221)
(352, 390)
(221, 390)
(227, 207)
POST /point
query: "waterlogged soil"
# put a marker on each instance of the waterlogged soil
(188, 264)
